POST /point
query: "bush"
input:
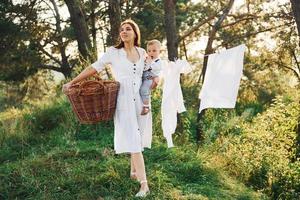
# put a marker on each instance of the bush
(46, 118)
(265, 154)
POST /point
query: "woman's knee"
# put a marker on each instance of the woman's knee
(136, 154)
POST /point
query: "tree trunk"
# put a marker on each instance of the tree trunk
(209, 50)
(93, 24)
(296, 11)
(184, 49)
(65, 66)
(170, 28)
(114, 12)
(81, 28)
(211, 38)
(172, 41)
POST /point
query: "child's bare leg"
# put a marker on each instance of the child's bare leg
(146, 107)
(146, 102)
(145, 92)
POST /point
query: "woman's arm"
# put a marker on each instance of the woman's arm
(87, 72)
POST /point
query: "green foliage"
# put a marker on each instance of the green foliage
(150, 17)
(19, 56)
(45, 119)
(219, 123)
(264, 154)
(46, 154)
(250, 109)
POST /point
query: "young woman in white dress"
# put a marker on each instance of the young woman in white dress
(132, 131)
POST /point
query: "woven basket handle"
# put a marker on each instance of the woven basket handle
(85, 83)
(97, 77)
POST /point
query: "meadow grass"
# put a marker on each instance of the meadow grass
(46, 154)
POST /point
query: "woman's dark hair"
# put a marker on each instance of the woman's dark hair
(136, 30)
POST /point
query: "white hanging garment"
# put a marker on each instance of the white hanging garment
(172, 100)
(222, 79)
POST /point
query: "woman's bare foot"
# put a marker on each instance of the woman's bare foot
(144, 190)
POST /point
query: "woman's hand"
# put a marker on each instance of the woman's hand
(148, 60)
(155, 82)
(66, 87)
(87, 72)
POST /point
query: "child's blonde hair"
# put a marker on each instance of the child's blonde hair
(154, 42)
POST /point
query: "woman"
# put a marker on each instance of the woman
(132, 131)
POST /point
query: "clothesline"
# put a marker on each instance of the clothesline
(217, 52)
(204, 55)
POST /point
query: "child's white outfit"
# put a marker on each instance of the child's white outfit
(172, 98)
(151, 71)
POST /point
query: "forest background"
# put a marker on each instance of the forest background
(249, 152)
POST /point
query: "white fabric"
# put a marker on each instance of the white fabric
(155, 65)
(132, 131)
(172, 100)
(222, 79)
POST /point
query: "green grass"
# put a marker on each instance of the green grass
(66, 160)
(87, 171)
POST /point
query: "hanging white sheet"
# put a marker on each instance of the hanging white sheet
(222, 79)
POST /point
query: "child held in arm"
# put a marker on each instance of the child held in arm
(151, 70)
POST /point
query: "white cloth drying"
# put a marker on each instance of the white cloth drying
(172, 100)
(222, 79)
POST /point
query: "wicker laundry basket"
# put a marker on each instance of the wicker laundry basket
(94, 100)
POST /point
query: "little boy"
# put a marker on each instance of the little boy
(151, 70)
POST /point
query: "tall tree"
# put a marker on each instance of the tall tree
(212, 36)
(53, 41)
(18, 54)
(209, 50)
(64, 63)
(78, 21)
(170, 29)
(114, 12)
(296, 11)
(93, 24)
